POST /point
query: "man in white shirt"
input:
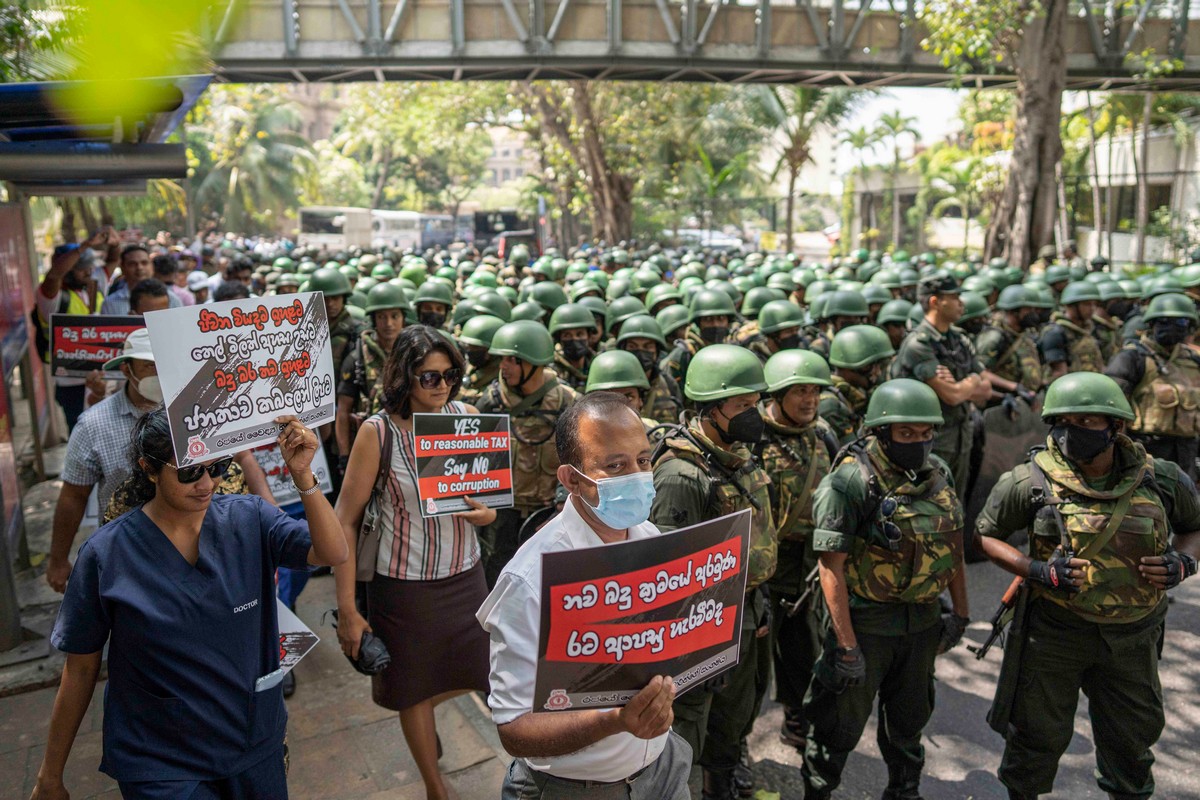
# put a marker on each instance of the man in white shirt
(619, 753)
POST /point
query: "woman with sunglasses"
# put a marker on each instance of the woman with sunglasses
(428, 580)
(181, 589)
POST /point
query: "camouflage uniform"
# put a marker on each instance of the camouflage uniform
(921, 352)
(664, 400)
(568, 373)
(476, 381)
(343, 330)
(1105, 639)
(676, 363)
(1108, 333)
(1164, 389)
(1063, 340)
(534, 460)
(697, 483)
(819, 343)
(842, 407)
(362, 375)
(796, 459)
(749, 337)
(1010, 354)
(894, 609)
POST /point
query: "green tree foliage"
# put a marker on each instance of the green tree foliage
(34, 40)
(892, 128)
(340, 180)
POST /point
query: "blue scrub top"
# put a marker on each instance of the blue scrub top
(186, 643)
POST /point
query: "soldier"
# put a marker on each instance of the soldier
(893, 318)
(842, 309)
(570, 325)
(1091, 614)
(1160, 374)
(360, 390)
(1071, 257)
(779, 323)
(482, 367)
(1057, 277)
(1068, 343)
(939, 355)
(641, 336)
(533, 398)
(975, 314)
(859, 355)
(796, 451)
(1006, 350)
(343, 329)
(1107, 319)
(712, 314)
(620, 372)
(702, 471)
(433, 302)
(889, 539)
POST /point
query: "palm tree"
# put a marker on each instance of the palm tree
(958, 181)
(717, 180)
(892, 128)
(863, 142)
(799, 113)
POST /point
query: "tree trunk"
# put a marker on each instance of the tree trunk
(1025, 218)
(896, 199)
(1095, 181)
(1110, 215)
(1137, 183)
(381, 181)
(789, 226)
(1143, 179)
(67, 223)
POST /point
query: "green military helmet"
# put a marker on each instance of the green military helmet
(1079, 292)
(894, 311)
(569, 316)
(779, 315)
(1086, 393)
(901, 256)
(903, 400)
(1097, 277)
(803, 276)
(1056, 273)
(548, 295)
(727, 287)
(1110, 290)
(974, 306)
(367, 262)
(284, 264)
(792, 367)
(873, 294)
(1189, 276)
(1131, 289)
(642, 326)
(307, 268)
(756, 298)
(859, 346)
(358, 300)
(622, 309)
(1163, 284)
(720, 371)
(445, 273)
(662, 292)
(414, 271)
(385, 272)
(1171, 306)
(744, 283)
(846, 304)
(1041, 296)
(1077, 272)
(1016, 296)
(519, 257)
(288, 279)
(432, 291)
(715, 273)
(585, 288)
(483, 277)
(617, 287)
(528, 310)
(350, 272)
(479, 330)
(916, 314)
(712, 303)
(672, 318)
(332, 264)
(978, 283)
(816, 308)
(998, 263)
(524, 339)
(782, 281)
(492, 303)
(463, 311)
(615, 369)
(909, 277)
(330, 281)
(860, 255)
(643, 280)
(384, 296)
(887, 278)
(355, 311)
(597, 306)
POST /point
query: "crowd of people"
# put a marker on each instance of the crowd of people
(847, 405)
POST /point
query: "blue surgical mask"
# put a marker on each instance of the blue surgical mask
(624, 501)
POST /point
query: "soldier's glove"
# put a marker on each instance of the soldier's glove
(1055, 573)
(849, 673)
(1026, 395)
(1179, 567)
(953, 627)
(1009, 404)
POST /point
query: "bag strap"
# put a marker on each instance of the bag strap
(1123, 503)
(385, 453)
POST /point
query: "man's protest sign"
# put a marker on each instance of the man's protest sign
(279, 477)
(229, 369)
(81, 343)
(295, 638)
(462, 455)
(615, 616)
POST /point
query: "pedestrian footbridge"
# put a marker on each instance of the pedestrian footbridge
(865, 43)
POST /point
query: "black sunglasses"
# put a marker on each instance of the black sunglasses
(191, 474)
(431, 378)
(887, 509)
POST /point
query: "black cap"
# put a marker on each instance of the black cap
(939, 282)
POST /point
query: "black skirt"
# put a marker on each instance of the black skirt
(430, 630)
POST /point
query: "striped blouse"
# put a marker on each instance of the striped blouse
(413, 548)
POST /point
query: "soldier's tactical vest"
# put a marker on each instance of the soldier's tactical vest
(919, 566)
(568, 373)
(843, 406)
(1114, 590)
(1019, 361)
(661, 403)
(370, 374)
(1083, 350)
(1108, 334)
(477, 382)
(796, 460)
(731, 490)
(342, 330)
(534, 459)
(1167, 400)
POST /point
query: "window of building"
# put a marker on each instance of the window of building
(519, 171)
(507, 174)
(504, 154)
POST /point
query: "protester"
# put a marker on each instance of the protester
(625, 753)
(428, 578)
(197, 284)
(136, 266)
(187, 615)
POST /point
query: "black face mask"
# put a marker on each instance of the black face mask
(1081, 444)
(972, 326)
(744, 427)
(432, 319)
(574, 349)
(788, 342)
(1044, 316)
(1030, 319)
(1119, 308)
(715, 334)
(1167, 333)
(477, 357)
(908, 456)
(648, 359)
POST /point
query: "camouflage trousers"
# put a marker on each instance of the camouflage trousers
(954, 444)
(1116, 666)
(900, 673)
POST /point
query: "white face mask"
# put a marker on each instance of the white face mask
(148, 387)
(624, 501)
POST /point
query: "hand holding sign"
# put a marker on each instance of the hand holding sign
(480, 515)
(297, 443)
(650, 714)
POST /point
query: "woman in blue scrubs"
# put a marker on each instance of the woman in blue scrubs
(182, 590)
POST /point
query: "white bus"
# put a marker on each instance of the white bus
(400, 230)
(335, 228)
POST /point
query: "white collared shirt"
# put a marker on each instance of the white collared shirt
(512, 617)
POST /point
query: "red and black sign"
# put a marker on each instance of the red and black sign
(459, 456)
(81, 343)
(615, 616)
